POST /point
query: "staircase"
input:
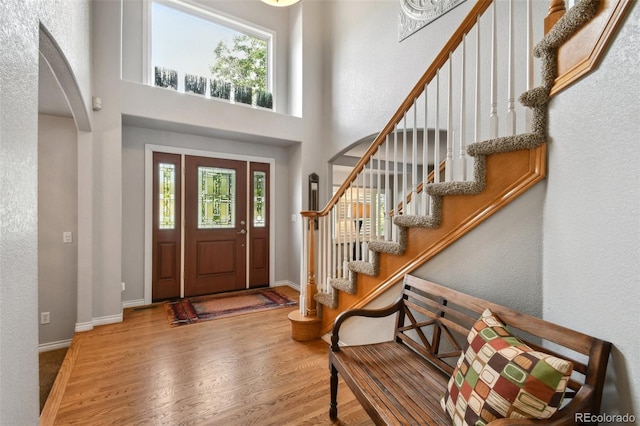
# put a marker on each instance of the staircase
(439, 168)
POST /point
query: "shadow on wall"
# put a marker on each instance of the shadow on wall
(615, 395)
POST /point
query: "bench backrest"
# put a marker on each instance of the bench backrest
(435, 321)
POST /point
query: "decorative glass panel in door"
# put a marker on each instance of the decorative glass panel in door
(167, 195)
(217, 198)
(259, 192)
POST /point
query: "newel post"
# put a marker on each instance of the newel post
(311, 309)
(305, 325)
(556, 11)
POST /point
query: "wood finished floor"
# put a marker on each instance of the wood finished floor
(243, 370)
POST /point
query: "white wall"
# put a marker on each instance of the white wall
(591, 240)
(57, 213)
(501, 259)
(19, 35)
(369, 73)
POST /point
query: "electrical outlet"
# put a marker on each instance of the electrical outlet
(67, 237)
(123, 286)
(45, 317)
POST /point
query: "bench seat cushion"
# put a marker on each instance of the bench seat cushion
(394, 384)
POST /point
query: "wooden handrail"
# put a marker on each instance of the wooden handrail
(478, 9)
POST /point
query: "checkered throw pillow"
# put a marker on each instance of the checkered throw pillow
(497, 376)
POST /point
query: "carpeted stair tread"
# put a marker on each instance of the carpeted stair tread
(348, 285)
(330, 300)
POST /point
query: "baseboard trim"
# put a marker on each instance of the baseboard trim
(51, 346)
(133, 303)
(84, 326)
(288, 284)
(109, 319)
(88, 326)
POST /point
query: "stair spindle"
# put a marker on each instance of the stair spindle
(462, 162)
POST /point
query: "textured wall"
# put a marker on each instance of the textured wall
(18, 215)
(57, 213)
(18, 183)
(592, 213)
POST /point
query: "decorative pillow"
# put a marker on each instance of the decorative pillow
(497, 376)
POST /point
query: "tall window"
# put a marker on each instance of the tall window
(193, 50)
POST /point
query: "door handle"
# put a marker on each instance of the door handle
(242, 231)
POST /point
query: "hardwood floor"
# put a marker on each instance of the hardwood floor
(243, 370)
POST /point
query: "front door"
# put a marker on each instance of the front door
(215, 225)
(210, 232)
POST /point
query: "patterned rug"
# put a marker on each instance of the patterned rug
(204, 308)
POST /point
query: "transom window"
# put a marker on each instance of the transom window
(195, 50)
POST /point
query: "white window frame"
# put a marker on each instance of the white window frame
(215, 16)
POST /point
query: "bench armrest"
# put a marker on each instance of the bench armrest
(371, 313)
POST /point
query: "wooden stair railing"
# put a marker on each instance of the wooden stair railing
(392, 196)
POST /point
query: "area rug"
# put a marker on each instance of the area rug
(204, 308)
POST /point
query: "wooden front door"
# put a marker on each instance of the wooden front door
(215, 225)
(211, 230)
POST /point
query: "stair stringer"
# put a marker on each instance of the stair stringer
(509, 174)
(370, 279)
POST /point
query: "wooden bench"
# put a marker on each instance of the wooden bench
(401, 382)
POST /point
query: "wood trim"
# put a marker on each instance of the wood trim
(556, 11)
(509, 175)
(50, 409)
(582, 53)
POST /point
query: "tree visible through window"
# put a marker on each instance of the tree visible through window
(245, 65)
(191, 51)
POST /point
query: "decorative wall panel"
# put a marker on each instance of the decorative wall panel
(416, 14)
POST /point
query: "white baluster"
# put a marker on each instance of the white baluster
(476, 135)
(327, 252)
(414, 161)
(388, 193)
(396, 180)
(376, 214)
(462, 162)
(405, 169)
(448, 167)
(436, 146)
(493, 119)
(425, 153)
(530, 75)
(335, 240)
(511, 113)
(351, 229)
(371, 209)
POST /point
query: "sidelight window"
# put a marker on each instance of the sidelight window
(167, 196)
